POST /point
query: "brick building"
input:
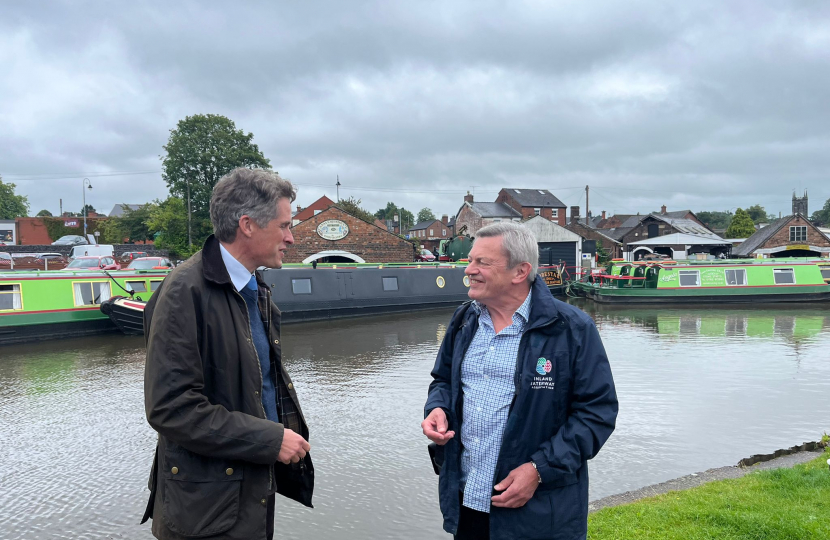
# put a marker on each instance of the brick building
(578, 226)
(474, 215)
(31, 231)
(336, 236)
(534, 202)
(311, 210)
(790, 236)
(430, 233)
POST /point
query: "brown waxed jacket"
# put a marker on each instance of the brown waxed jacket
(216, 461)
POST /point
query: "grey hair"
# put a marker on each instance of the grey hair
(518, 244)
(251, 192)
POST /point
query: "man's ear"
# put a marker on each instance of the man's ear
(246, 226)
(522, 271)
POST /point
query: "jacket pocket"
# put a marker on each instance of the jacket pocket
(201, 494)
(296, 481)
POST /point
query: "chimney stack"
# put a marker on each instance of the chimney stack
(603, 214)
(445, 219)
(574, 214)
(468, 198)
(299, 208)
(663, 209)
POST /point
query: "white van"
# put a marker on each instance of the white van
(102, 250)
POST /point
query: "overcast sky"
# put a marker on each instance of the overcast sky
(706, 105)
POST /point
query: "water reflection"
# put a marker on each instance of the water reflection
(698, 388)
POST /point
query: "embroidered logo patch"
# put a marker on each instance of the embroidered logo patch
(543, 366)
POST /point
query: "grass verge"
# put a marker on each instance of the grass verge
(778, 504)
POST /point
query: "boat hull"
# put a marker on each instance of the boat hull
(761, 295)
(126, 314)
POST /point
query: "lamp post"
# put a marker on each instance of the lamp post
(85, 184)
(338, 188)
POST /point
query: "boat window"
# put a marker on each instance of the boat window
(798, 234)
(301, 286)
(137, 286)
(154, 284)
(689, 278)
(91, 293)
(783, 276)
(736, 276)
(390, 284)
(825, 272)
(10, 297)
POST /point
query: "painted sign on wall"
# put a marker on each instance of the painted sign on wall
(333, 229)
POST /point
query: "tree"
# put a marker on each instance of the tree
(392, 210)
(88, 209)
(757, 213)
(741, 226)
(131, 226)
(715, 219)
(352, 206)
(12, 205)
(821, 218)
(425, 215)
(44, 213)
(168, 219)
(201, 150)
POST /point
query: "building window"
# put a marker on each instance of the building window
(736, 276)
(496, 220)
(137, 286)
(430, 232)
(798, 234)
(301, 286)
(390, 284)
(90, 293)
(537, 211)
(443, 232)
(155, 284)
(554, 212)
(689, 278)
(10, 297)
(783, 276)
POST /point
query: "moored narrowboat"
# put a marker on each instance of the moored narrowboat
(65, 303)
(709, 282)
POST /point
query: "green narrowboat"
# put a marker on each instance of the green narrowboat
(734, 281)
(65, 303)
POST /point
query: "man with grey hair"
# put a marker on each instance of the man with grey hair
(522, 396)
(230, 430)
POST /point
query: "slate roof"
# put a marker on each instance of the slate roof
(423, 224)
(687, 226)
(761, 235)
(117, 211)
(536, 198)
(494, 210)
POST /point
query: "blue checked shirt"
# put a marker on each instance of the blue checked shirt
(487, 382)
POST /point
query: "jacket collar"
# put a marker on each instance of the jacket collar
(543, 308)
(213, 265)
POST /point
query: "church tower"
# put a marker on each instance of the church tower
(800, 204)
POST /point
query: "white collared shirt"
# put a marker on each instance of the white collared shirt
(239, 274)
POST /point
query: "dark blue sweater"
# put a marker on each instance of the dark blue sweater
(258, 331)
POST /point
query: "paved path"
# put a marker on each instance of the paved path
(697, 479)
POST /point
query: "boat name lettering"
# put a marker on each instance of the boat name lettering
(333, 229)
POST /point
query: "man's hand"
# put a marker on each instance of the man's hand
(435, 427)
(518, 487)
(294, 447)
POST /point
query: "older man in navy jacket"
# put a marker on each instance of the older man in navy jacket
(522, 397)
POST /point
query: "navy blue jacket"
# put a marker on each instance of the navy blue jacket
(560, 417)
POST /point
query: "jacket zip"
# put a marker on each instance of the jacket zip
(259, 367)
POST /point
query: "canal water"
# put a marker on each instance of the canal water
(698, 388)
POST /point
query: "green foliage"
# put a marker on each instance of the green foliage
(169, 219)
(56, 227)
(715, 219)
(12, 205)
(425, 215)
(821, 218)
(44, 213)
(89, 210)
(391, 210)
(200, 151)
(603, 255)
(779, 504)
(757, 213)
(352, 206)
(130, 227)
(741, 226)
